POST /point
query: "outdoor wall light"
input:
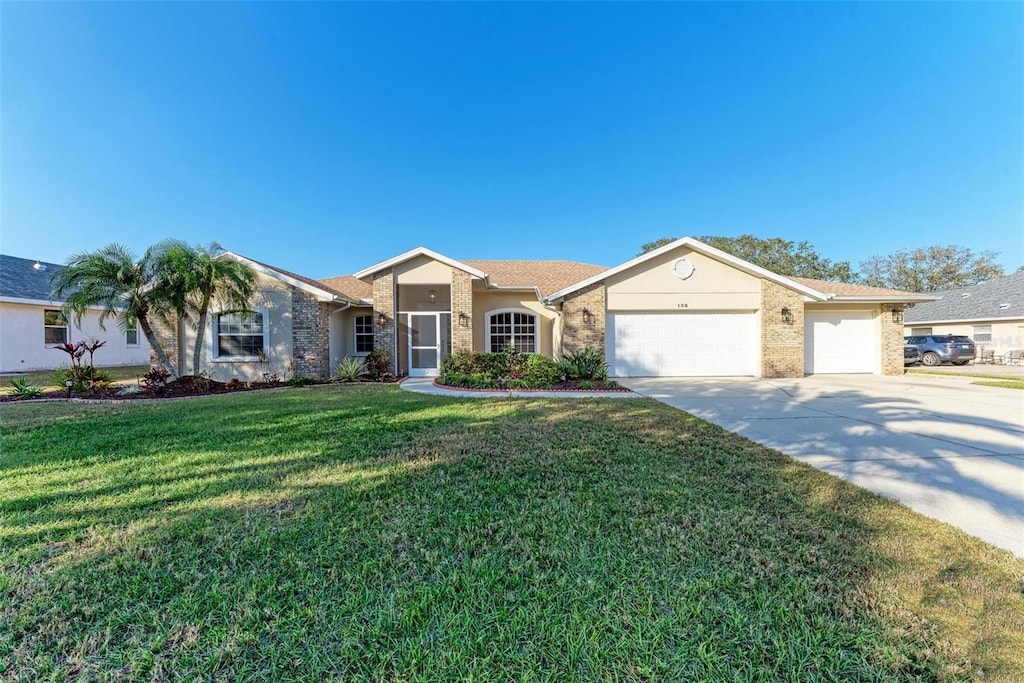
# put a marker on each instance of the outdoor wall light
(588, 317)
(897, 316)
(432, 296)
(382, 319)
(67, 385)
(787, 316)
(463, 319)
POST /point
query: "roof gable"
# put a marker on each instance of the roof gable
(413, 253)
(705, 249)
(318, 289)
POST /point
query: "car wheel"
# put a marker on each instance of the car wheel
(931, 359)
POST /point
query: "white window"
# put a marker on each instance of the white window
(240, 334)
(982, 333)
(55, 327)
(363, 334)
(918, 331)
(131, 334)
(517, 329)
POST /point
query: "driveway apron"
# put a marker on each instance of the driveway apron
(947, 449)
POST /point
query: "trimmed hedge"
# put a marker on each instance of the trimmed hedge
(488, 370)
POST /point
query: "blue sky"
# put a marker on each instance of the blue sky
(325, 137)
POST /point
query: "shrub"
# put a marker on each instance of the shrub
(459, 363)
(22, 389)
(585, 384)
(302, 381)
(350, 369)
(378, 366)
(233, 384)
(454, 379)
(482, 380)
(156, 379)
(584, 364)
(541, 371)
(129, 390)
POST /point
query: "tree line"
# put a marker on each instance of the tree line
(924, 269)
(172, 281)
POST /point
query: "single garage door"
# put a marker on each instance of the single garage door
(840, 341)
(681, 344)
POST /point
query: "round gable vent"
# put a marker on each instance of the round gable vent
(683, 269)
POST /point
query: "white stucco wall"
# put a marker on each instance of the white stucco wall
(22, 347)
(274, 300)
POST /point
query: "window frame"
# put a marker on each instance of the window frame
(128, 329)
(975, 334)
(356, 334)
(488, 323)
(51, 326)
(215, 335)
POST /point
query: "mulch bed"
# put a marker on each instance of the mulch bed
(572, 385)
(182, 387)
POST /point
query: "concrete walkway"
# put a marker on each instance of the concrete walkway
(425, 385)
(946, 448)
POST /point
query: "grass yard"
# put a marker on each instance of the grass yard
(1004, 383)
(365, 533)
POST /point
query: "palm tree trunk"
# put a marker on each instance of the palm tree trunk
(155, 344)
(197, 352)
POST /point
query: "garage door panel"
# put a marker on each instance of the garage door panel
(840, 342)
(681, 344)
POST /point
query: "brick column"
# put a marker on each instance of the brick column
(892, 341)
(584, 330)
(384, 303)
(782, 344)
(462, 311)
(310, 331)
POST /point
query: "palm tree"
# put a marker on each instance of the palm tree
(121, 285)
(198, 276)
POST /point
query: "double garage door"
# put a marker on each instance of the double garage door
(682, 344)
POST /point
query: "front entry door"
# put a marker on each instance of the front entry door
(428, 343)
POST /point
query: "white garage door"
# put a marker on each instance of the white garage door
(681, 344)
(841, 341)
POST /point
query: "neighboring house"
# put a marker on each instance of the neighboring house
(31, 323)
(991, 313)
(685, 309)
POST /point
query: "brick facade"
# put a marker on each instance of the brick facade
(384, 336)
(582, 330)
(782, 344)
(310, 331)
(170, 341)
(892, 340)
(462, 311)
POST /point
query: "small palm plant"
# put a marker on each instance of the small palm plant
(350, 369)
(22, 389)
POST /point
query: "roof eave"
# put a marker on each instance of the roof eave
(321, 294)
(413, 253)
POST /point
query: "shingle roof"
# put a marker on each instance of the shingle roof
(982, 301)
(843, 289)
(295, 276)
(548, 276)
(20, 279)
(349, 286)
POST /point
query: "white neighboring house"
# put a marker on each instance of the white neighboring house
(31, 324)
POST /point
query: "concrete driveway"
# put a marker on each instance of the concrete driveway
(946, 448)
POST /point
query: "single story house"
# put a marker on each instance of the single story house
(991, 313)
(686, 309)
(31, 323)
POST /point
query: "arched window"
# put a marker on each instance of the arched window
(240, 334)
(363, 334)
(515, 328)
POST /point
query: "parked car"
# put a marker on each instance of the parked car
(910, 354)
(936, 349)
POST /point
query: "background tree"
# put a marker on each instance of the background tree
(775, 254)
(199, 276)
(931, 269)
(123, 286)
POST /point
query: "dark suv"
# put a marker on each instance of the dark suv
(943, 348)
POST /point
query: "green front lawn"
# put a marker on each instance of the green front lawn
(366, 533)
